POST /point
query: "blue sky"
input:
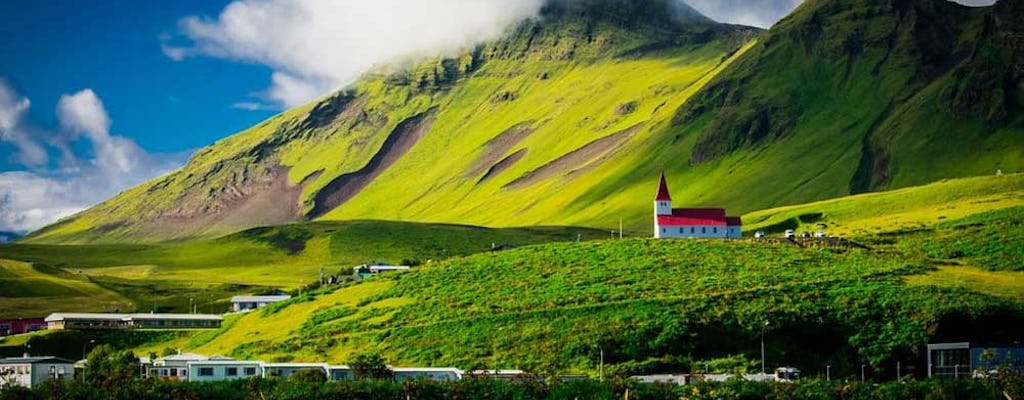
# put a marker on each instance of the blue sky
(97, 96)
(113, 48)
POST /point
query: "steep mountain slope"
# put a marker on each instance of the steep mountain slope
(868, 95)
(569, 119)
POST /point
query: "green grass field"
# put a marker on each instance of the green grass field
(27, 291)
(904, 209)
(649, 304)
(165, 277)
(658, 304)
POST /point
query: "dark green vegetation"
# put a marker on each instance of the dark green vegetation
(472, 389)
(569, 119)
(165, 277)
(887, 93)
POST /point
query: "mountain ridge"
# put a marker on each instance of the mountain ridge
(568, 120)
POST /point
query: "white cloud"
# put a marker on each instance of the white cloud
(254, 106)
(12, 109)
(765, 13)
(41, 195)
(316, 46)
(83, 112)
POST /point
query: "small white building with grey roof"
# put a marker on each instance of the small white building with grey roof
(245, 303)
(32, 371)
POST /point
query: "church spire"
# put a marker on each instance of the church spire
(663, 194)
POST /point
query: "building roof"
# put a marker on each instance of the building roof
(694, 217)
(495, 372)
(259, 299)
(426, 369)
(663, 194)
(127, 317)
(188, 357)
(34, 360)
(734, 221)
(295, 365)
(93, 316)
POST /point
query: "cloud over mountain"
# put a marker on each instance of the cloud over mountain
(315, 46)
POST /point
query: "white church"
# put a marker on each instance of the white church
(691, 222)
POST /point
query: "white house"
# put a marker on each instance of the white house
(367, 270)
(243, 303)
(176, 367)
(430, 374)
(340, 373)
(220, 370)
(691, 222)
(500, 374)
(284, 370)
(32, 371)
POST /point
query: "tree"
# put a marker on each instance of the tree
(370, 366)
(109, 368)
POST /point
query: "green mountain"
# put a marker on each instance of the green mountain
(569, 119)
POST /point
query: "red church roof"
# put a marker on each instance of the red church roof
(663, 190)
(694, 217)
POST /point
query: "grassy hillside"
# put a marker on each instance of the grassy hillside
(28, 291)
(897, 210)
(143, 277)
(651, 305)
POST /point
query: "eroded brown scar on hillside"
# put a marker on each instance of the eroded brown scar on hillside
(583, 159)
(399, 142)
(493, 159)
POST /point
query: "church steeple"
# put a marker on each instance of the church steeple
(663, 200)
(663, 194)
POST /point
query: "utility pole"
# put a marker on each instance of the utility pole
(898, 370)
(601, 370)
(620, 228)
(862, 373)
(828, 372)
(763, 371)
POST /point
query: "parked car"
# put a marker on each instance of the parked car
(790, 234)
(821, 235)
(759, 234)
(805, 235)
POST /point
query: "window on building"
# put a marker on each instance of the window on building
(680, 230)
(206, 371)
(704, 229)
(662, 230)
(231, 371)
(693, 230)
(714, 230)
(250, 371)
(174, 372)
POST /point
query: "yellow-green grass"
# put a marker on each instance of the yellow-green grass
(26, 292)
(902, 209)
(283, 325)
(1006, 284)
(207, 273)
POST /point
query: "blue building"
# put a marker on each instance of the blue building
(965, 359)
